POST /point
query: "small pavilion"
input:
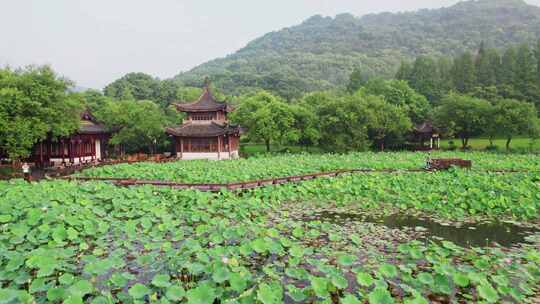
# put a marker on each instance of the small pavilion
(88, 144)
(206, 132)
(426, 133)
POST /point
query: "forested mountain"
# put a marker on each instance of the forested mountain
(322, 52)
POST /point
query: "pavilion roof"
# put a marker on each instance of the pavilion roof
(206, 103)
(425, 127)
(90, 125)
(212, 129)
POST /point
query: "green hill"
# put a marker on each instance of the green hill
(321, 52)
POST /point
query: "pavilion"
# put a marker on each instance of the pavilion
(206, 132)
(88, 144)
(426, 132)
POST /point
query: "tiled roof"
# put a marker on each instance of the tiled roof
(205, 103)
(426, 127)
(89, 124)
(89, 127)
(204, 130)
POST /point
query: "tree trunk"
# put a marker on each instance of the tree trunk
(382, 146)
(491, 141)
(267, 142)
(464, 143)
(508, 140)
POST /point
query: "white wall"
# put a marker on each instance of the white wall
(58, 161)
(211, 156)
(98, 149)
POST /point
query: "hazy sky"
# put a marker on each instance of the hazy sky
(94, 42)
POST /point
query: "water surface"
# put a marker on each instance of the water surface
(467, 235)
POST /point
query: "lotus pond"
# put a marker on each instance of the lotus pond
(68, 242)
(262, 167)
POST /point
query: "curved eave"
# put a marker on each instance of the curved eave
(191, 109)
(237, 131)
(93, 133)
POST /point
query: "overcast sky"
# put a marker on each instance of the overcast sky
(94, 42)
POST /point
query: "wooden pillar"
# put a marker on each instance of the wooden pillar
(41, 153)
(63, 151)
(73, 151)
(219, 147)
(49, 152)
(189, 145)
(70, 151)
(229, 146)
(431, 143)
(181, 148)
(79, 150)
(93, 148)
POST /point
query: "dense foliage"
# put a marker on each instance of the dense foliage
(97, 243)
(138, 124)
(465, 117)
(322, 52)
(489, 74)
(141, 86)
(267, 118)
(376, 116)
(34, 104)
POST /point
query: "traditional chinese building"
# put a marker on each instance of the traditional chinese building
(425, 132)
(206, 132)
(88, 144)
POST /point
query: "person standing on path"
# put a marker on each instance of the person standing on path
(26, 171)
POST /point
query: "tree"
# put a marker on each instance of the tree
(525, 74)
(490, 93)
(343, 123)
(463, 116)
(516, 75)
(356, 122)
(386, 123)
(507, 73)
(267, 118)
(512, 118)
(400, 94)
(404, 72)
(138, 86)
(138, 125)
(424, 78)
(166, 92)
(487, 65)
(94, 99)
(356, 80)
(463, 73)
(537, 57)
(249, 105)
(444, 69)
(188, 94)
(273, 123)
(34, 104)
(306, 124)
(316, 99)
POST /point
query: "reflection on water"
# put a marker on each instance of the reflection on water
(468, 235)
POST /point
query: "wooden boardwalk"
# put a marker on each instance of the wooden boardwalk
(213, 187)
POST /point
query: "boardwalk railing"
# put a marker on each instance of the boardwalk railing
(245, 185)
(236, 185)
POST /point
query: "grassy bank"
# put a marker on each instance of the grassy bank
(478, 144)
(483, 143)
